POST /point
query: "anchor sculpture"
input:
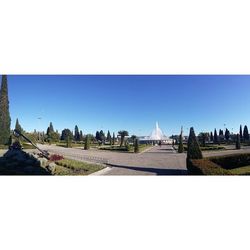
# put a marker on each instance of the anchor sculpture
(44, 153)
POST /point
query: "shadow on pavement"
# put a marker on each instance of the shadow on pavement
(157, 171)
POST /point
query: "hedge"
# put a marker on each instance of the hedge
(221, 165)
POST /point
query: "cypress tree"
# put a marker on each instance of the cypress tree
(51, 128)
(227, 134)
(5, 119)
(238, 146)
(241, 134)
(215, 137)
(193, 151)
(137, 150)
(109, 137)
(87, 143)
(81, 135)
(18, 126)
(246, 134)
(180, 147)
(211, 137)
(77, 134)
(113, 140)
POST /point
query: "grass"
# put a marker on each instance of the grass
(117, 148)
(73, 145)
(73, 167)
(241, 171)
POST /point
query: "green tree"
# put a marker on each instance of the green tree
(133, 138)
(227, 134)
(87, 143)
(81, 135)
(181, 147)
(137, 149)
(241, 134)
(211, 137)
(123, 134)
(102, 136)
(113, 139)
(246, 134)
(77, 134)
(51, 128)
(109, 138)
(215, 137)
(5, 119)
(18, 126)
(238, 146)
(65, 134)
(193, 151)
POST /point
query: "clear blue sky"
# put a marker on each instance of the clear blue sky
(133, 103)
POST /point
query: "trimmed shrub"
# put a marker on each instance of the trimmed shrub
(206, 167)
(232, 161)
(238, 146)
(180, 147)
(193, 151)
(137, 150)
(87, 143)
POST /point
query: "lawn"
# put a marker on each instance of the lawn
(73, 167)
(117, 148)
(241, 171)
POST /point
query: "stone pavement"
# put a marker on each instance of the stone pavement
(156, 161)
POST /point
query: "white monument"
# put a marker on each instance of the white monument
(157, 135)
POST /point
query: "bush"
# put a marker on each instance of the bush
(87, 143)
(237, 164)
(206, 167)
(232, 161)
(137, 149)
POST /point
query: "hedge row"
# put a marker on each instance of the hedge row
(222, 165)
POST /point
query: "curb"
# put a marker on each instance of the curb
(101, 172)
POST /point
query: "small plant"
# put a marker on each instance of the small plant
(56, 158)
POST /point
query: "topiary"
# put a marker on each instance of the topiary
(193, 150)
(136, 150)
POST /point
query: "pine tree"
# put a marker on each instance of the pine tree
(137, 150)
(194, 151)
(5, 119)
(246, 134)
(215, 137)
(238, 146)
(87, 143)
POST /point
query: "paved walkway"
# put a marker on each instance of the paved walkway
(156, 161)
